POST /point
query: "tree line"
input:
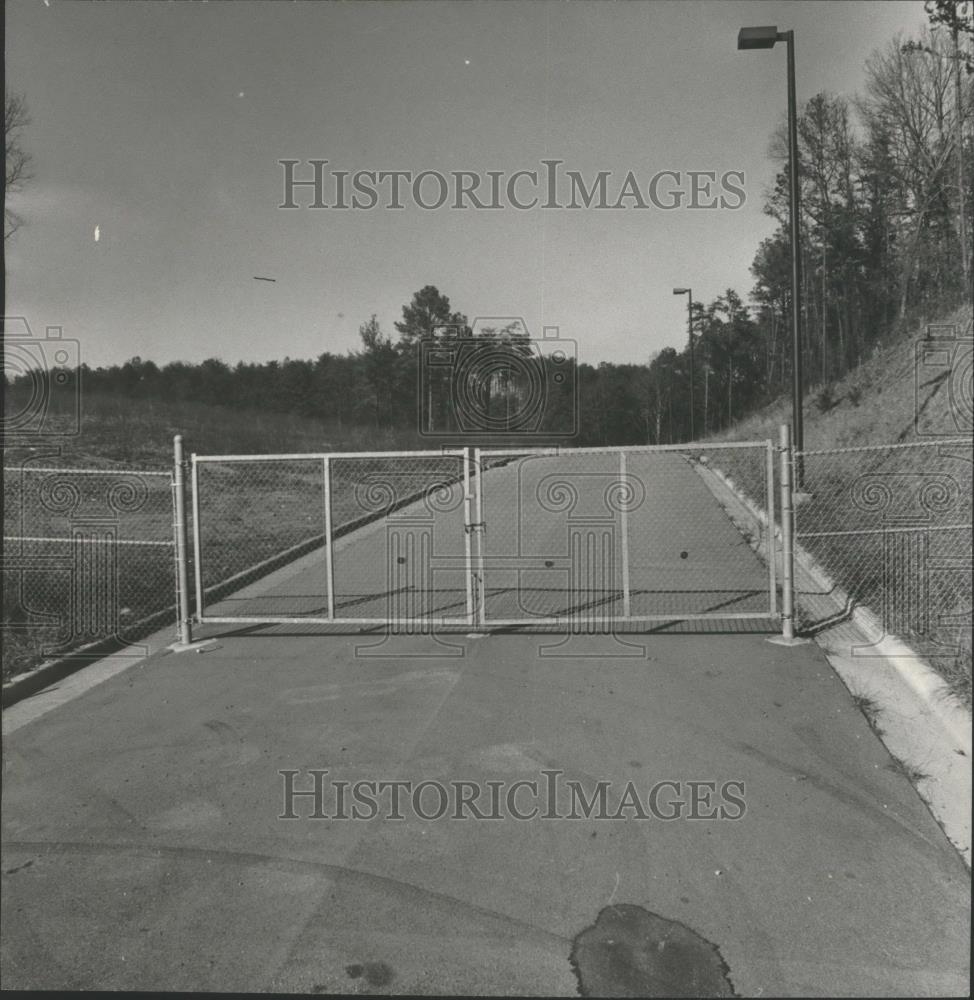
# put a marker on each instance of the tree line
(886, 209)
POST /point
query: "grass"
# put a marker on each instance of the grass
(251, 512)
(123, 431)
(912, 774)
(870, 709)
(875, 403)
(57, 594)
(893, 397)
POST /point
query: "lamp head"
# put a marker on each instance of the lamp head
(681, 291)
(757, 38)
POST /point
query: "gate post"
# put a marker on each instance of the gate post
(329, 536)
(787, 536)
(480, 584)
(184, 627)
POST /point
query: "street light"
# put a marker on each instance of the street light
(765, 38)
(689, 295)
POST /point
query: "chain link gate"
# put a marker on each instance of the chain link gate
(587, 539)
(363, 538)
(594, 539)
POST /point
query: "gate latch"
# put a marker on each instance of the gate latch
(473, 525)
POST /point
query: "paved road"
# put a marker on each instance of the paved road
(143, 846)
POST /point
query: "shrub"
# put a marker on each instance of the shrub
(825, 400)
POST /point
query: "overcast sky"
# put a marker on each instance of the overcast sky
(163, 124)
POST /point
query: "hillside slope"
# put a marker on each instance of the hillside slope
(891, 398)
(891, 525)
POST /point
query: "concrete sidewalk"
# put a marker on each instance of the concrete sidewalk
(143, 849)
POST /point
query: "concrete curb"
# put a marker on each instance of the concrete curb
(23, 685)
(918, 718)
(812, 580)
(923, 680)
(76, 677)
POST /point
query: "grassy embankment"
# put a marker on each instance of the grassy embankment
(884, 402)
(253, 512)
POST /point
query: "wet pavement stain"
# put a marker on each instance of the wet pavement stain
(631, 952)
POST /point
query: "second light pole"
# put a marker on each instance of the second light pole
(689, 295)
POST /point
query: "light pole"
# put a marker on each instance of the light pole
(689, 295)
(765, 38)
(706, 398)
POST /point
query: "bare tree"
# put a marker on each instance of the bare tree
(17, 160)
(908, 101)
(957, 16)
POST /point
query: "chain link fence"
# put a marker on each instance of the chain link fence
(890, 526)
(89, 558)
(594, 537)
(248, 519)
(267, 518)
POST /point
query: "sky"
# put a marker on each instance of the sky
(158, 129)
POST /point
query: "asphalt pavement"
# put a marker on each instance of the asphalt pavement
(750, 822)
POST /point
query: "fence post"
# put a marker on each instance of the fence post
(467, 529)
(480, 592)
(179, 526)
(787, 535)
(329, 536)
